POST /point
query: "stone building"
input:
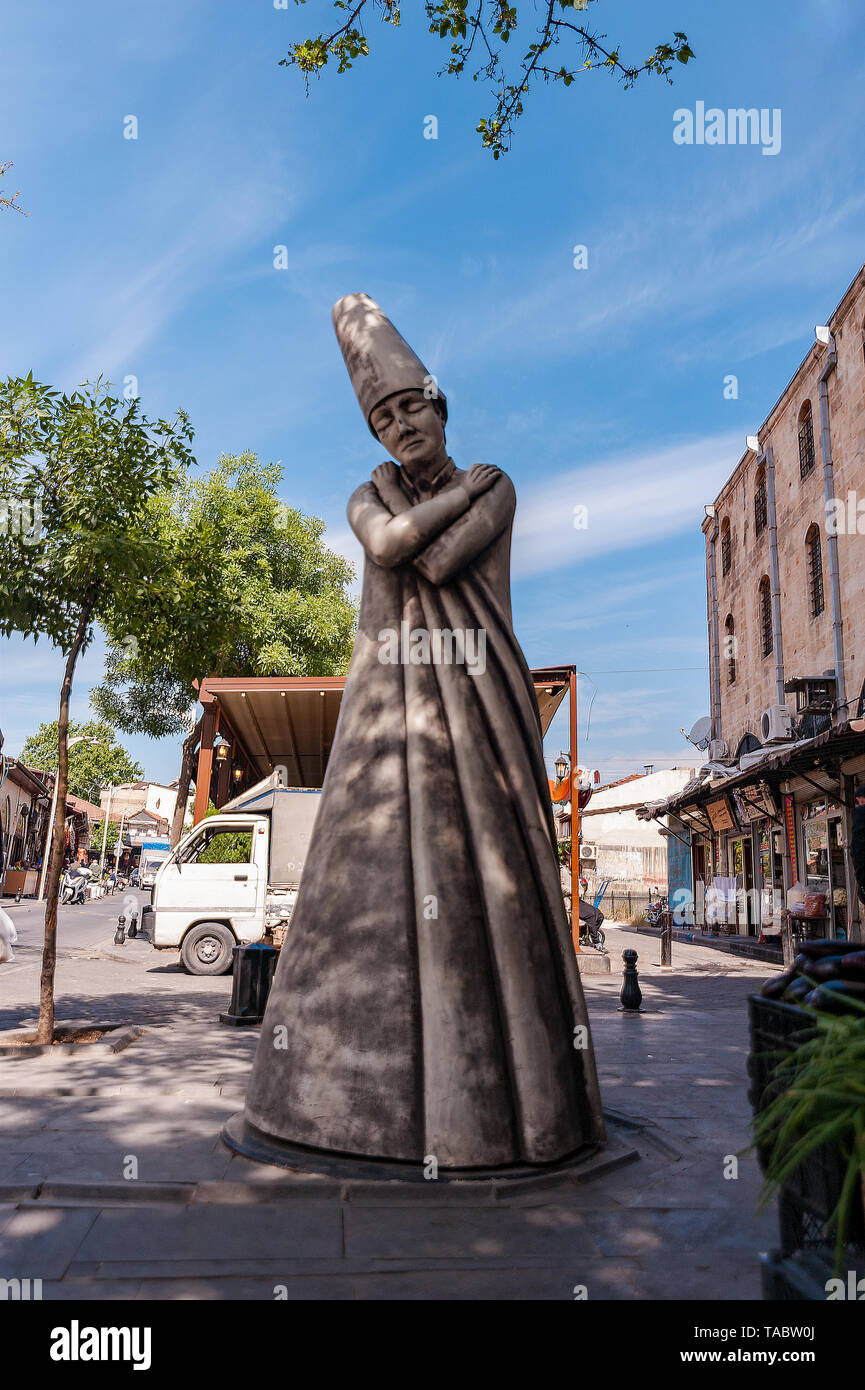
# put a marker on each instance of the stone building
(130, 797)
(632, 856)
(768, 817)
(784, 591)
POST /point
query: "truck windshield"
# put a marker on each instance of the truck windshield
(218, 846)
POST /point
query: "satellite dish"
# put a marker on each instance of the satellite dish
(701, 733)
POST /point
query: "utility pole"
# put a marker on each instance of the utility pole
(105, 829)
(49, 839)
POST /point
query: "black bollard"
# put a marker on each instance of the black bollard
(119, 938)
(253, 973)
(631, 996)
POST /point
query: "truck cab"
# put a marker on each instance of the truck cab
(233, 877)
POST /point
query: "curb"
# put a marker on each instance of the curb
(117, 1037)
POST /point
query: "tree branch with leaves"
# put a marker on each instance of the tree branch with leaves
(10, 203)
(484, 28)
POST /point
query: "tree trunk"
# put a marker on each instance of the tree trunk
(45, 1029)
(187, 766)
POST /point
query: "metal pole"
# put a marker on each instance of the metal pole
(667, 940)
(105, 829)
(49, 840)
(575, 821)
(787, 949)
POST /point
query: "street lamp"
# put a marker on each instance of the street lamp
(561, 765)
(79, 738)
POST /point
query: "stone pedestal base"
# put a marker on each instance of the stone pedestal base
(593, 963)
(252, 1143)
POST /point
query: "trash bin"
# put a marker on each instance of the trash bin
(253, 974)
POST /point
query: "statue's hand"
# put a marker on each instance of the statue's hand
(480, 478)
(386, 480)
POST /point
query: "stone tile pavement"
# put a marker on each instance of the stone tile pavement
(198, 1222)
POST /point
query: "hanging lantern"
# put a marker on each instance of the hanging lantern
(562, 764)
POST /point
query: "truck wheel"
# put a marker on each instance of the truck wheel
(207, 949)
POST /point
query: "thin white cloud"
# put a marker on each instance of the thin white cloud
(631, 501)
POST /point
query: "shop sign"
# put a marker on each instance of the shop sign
(720, 814)
(756, 802)
(790, 825)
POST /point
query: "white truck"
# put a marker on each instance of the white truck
(234, 877)
(153, 855)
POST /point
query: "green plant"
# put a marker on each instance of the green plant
(819, 1099)
(76, 473)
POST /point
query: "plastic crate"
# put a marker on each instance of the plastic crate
(811, 1193)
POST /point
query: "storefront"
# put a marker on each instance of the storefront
(775, 835)
(25, 799)
(822, 846)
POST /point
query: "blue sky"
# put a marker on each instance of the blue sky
(601, 387)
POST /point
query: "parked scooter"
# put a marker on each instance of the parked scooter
(73, 884)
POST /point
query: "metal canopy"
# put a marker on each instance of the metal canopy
(290, 721)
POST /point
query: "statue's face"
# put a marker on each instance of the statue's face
(410, 427)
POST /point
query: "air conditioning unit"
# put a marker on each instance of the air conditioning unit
(588, 851)
(718, 750)
(776, 724)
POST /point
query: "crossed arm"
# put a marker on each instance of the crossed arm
(440, 536)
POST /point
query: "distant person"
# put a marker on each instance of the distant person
(857, 840)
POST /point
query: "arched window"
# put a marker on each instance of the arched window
(730, 649)
(726, 547)
(806, 441)
(814, 559)
(761, 505)
(766, 642)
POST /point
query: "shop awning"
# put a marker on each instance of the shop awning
(290, 721)
(845, 740)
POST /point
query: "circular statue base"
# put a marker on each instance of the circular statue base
(245, 1139)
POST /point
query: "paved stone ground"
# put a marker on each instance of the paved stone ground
(201, 1223)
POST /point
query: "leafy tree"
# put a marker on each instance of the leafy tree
(111, 838)
(86, 464)
(480, 31)
(279, 606)
(227, 847)
(91, 765)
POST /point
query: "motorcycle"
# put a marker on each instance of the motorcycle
(655, 912)
(73, 884)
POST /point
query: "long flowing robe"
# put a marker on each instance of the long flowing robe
(427, 1000)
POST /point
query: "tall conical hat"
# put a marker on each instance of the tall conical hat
(379, 360)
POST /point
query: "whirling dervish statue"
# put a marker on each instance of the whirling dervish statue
(427, 1000)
